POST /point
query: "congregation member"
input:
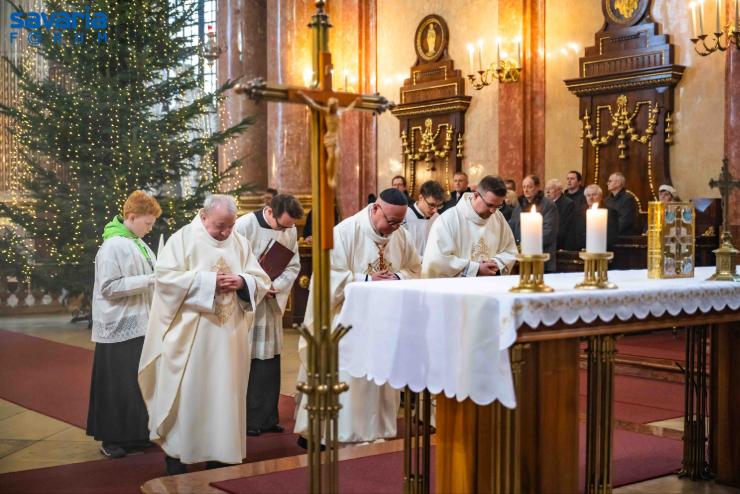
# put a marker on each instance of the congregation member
(122, 294)
(666, 193)
(510, 184)
(566, 211)
(263, 228)
(473, 238)
(268, 195)
(460, 185)
(510, 202)
(194, 367)
(399, 182)
(421, 215)
(594, 195)
(624, 204)
(370, 246)
(574, 189)
(533, 196)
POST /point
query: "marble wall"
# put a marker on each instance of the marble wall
(467, 21)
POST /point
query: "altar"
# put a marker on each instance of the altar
(504, 367)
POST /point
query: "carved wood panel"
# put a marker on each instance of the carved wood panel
(626, 91)
(432, 110)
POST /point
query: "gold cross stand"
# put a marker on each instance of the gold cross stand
(726, 253)
(322, 387)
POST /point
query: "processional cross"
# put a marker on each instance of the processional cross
(322, 387)
(726, 252)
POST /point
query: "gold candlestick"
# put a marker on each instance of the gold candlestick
(725, 255)
(531, 274)
(595, 269)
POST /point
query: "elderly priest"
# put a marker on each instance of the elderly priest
(369, 246)
(473, 238)
(194, 366)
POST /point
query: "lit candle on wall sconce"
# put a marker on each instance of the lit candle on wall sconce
(692, 6)
(480, 54)
(498, 51)
(718, 29)
(345, 73)
(470, 58)
(519, 51)
(701, 16)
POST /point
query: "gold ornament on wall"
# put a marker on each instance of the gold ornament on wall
(428, 150)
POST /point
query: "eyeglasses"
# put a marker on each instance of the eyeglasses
(283, 227)
(491, 207)
(432, 205)
(391, 222)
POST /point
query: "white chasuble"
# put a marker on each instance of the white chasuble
(368, 411)
(418, 227)
(267, 330)
(194, 366)
(460, 240)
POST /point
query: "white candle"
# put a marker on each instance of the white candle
(737, 16)
(480, 54)
(470, 58)
(596, 221)
(692, 5)
(498, 51)
(531, 224)
(519, 53)
(701, 16)
(719, 29)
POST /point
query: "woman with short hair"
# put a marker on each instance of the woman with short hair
(122, 295)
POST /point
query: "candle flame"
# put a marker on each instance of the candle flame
(534, 209)
(595, 206)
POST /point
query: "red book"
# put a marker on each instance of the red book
(275, 259)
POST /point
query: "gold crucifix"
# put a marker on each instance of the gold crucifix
(322, 386)
(726, 252)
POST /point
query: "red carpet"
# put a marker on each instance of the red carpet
(637, 457)
(641, 400)
(47, 377)
(657, 345)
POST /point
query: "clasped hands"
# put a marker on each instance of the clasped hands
(384, 275)
(229, 282)
(488, 268)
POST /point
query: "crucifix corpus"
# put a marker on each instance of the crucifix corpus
(322, 386)
(726, 253)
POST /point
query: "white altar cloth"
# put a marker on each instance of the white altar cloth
(453, 335)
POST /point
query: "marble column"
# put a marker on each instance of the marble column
(521, 110)
(289, 126)
(353, 43)
(732, 131)
(242, 31)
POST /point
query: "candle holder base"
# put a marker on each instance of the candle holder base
(531, 274)
(595, 269)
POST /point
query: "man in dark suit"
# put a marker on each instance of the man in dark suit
(460, 184)
(594, 195)
(566, 210)
(574, 189)
(533, 196)
(624, 204)
(399, 182)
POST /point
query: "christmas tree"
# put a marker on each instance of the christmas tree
(119, 108)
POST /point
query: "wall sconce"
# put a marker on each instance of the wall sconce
(210, 49)
(730, 34)
(505, 69)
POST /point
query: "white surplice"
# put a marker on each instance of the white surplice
(368, 411)
(460, 239)
(194, 367)
(418, 227)
(267, 330)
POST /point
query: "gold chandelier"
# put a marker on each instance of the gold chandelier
(504, 69)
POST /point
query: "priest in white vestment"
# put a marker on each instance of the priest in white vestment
(472, 238)
(422, 214)
(194, 367)
(262, 228)
(369, 246)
